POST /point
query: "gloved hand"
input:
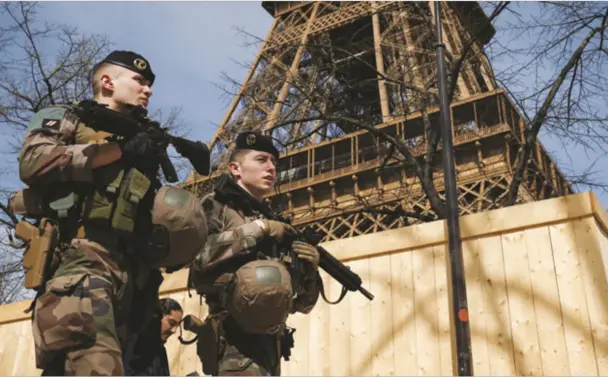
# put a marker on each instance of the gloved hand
(276, 229)
(139, 151)
(306, 252)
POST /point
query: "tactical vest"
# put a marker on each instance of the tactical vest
(111, 200)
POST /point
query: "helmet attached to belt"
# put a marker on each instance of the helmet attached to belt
(179, 228)
(260, 296)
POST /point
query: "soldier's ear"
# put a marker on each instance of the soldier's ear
(235, 169)
(106, 82)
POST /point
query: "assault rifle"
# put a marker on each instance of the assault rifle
(350, 280)
(101, 118)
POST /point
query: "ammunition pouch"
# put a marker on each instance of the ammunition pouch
(39, 259)
(119, 203)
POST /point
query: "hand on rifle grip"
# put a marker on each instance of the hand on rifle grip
(139, 150)
(306, 252)
(276, 229)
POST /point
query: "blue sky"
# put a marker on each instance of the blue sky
(189, 45)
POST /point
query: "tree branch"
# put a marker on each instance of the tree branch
(534, 127)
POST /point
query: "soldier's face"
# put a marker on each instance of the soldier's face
(255, 171)
(129, 87)
(169, 324)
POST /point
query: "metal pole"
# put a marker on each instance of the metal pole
(460, 310)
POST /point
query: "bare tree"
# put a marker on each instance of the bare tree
(557, 76)
(41, 65)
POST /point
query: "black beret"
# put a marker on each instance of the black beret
(251, 140)
(131, 61)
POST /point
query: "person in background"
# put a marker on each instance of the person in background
(148, 356)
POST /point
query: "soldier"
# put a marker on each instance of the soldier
(249, 291)
(108, 213)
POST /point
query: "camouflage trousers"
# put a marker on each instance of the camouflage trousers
(245, 354)
(80, 321)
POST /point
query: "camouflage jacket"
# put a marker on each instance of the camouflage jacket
(233, 237)
(58, 150)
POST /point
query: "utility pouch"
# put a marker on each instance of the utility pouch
(132, 191)
(209, 346)
(38, 256)
(102, 205)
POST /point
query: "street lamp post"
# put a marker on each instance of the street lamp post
(460, 312)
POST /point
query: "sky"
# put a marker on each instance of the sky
(190, 44)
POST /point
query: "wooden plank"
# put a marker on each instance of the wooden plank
(593, 272)
(14, 312)
(475, 280)
(510, 219)
(496, 303)
(381, 332)
(360, 313)
(553, 352)
(298, 362)
(339, 331)
(601, 350)
(25, 361)
(599, 211)
(443, 310)
(11, 333)
(527, 215)
(175, 281)
(521, 306)
(573, 301)
(318, 364)
(404, 314)
(385, 242)
(427, 338)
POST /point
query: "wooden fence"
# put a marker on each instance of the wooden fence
(536, 284)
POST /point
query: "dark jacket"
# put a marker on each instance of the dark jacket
(147, 355)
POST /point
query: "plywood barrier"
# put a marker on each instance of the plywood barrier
(536, 283)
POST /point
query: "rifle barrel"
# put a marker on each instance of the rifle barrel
(366, 293)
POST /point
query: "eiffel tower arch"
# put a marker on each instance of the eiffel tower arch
(335, 84)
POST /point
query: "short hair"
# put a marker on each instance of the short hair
(236, 155)
(96, 78)
(168, 305)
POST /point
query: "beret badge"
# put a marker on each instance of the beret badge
(140, 64)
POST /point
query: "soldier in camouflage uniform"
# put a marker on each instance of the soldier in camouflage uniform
(81, 316)
(249, 299)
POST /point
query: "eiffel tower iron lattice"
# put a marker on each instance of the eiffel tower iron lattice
(336, 84)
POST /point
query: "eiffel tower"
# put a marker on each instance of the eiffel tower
(334, 81)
